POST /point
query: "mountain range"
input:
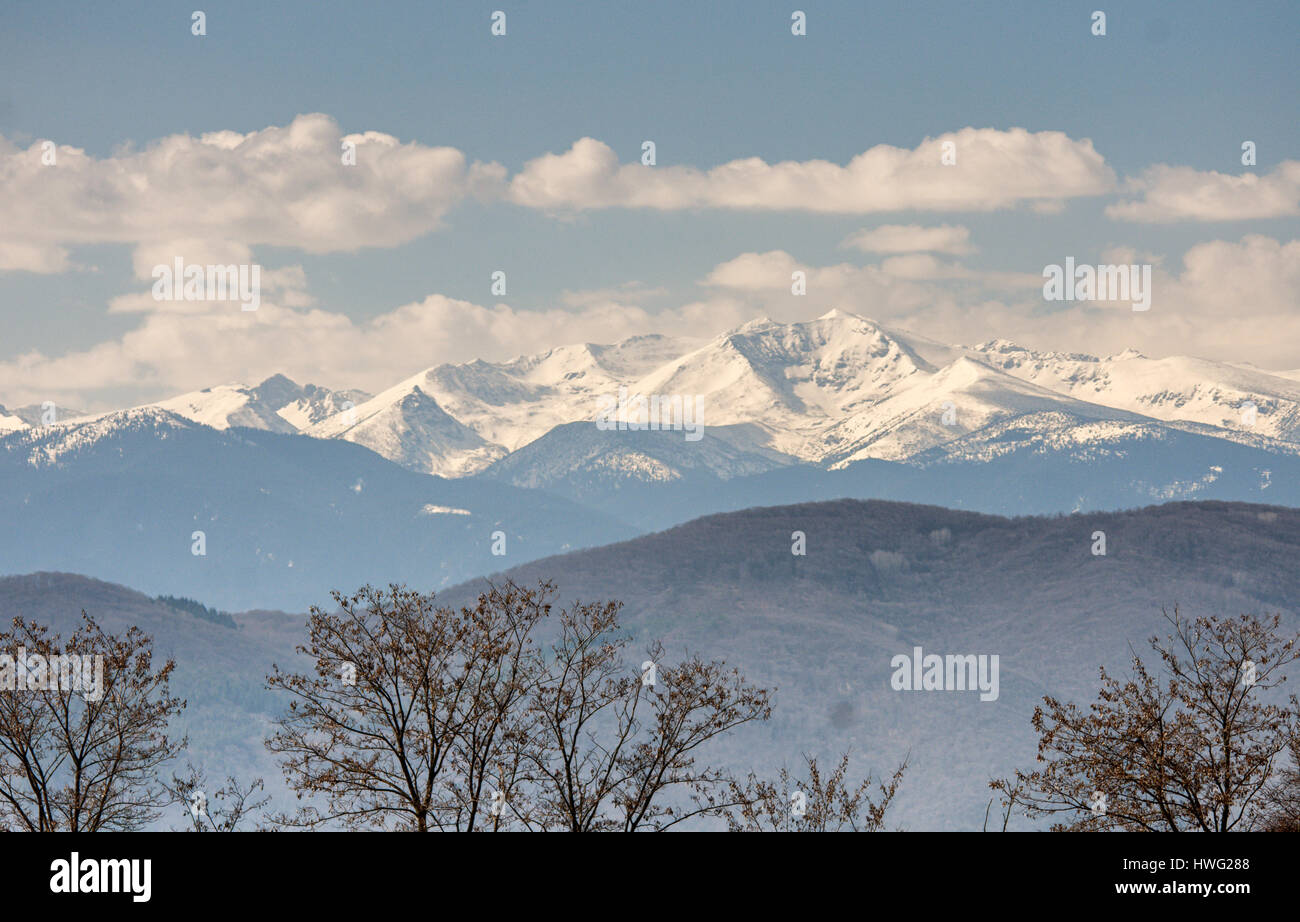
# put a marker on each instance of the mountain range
(829, 392)
(464, 469)
(249, 518)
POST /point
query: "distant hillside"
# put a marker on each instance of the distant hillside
(880, 578)
(1039, 464)
(284, 518)
(198, 610)
(220, 671)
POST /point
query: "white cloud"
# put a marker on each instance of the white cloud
(281, 186)
(1231, 301)
(1228, 301)
(207, 343)
(1249, 285)
(287, 286)
(924, 266)
(213, 199)
(40, 258)
(1179, 193)
(912, 238)
(994, 169)
(634, 293)
(771, 272)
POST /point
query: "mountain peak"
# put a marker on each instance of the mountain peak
(10, 422)
(1002, 346)
(278, 391)
(1124, 356)
(417, 397)
(758, 323)
(49, 444)
(278, 380)
(848, 316)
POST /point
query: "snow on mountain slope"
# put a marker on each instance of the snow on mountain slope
(511, 409)
(515, 402)
(1174, 388)
(816, 369)
(583, 458)
(827, 391)
(1077, 437)
(316, 404)
(46, 414)
(963, 398)
(624, 360)
(226, 405)
(277, 405)
(45, 446)
(407, 426)
(9, 422)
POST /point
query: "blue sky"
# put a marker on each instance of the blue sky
(1170, 83)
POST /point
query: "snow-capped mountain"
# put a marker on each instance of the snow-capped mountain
(841, 389)
(455, 420)
(36, 414)
(406, 425)
(50, 446)
(829, 392)
(1178, 388)
(792, 413)
(958, 402)
(276, 405)
(10, 422)
(515, 402)
(580, 461)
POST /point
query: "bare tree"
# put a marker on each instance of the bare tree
(369, 734)
(1010, 789)
(81, 751)
(216, 808)
(416, 715)
(1191, 749)
(816, 802)
(420, 717)
(1283, 797)
(494, 726)
(461, 720)
(617, 749)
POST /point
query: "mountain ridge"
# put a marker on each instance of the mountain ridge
(815, 387)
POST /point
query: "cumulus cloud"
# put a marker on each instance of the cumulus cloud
(206, 343)
(634, 293)
(773, 272)
(215, 198)
(912, 238)
(287, 285)
(1249, 284)
(1228, 301)
(1232, 301)
(1178, 193)
(40, 258)
(281, 186)
(993, 169)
